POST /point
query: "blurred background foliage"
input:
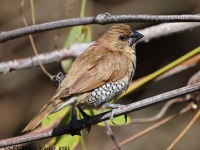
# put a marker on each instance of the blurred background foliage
(23, 93)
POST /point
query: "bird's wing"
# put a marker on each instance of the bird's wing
(46, 110)
(93, 68)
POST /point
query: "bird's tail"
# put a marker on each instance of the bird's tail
(45, 111)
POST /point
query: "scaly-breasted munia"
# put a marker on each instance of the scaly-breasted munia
(100, 74)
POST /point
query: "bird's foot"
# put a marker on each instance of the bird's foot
(58, 78)
(114, 106)
(86, 117)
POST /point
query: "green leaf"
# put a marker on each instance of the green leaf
(73, 36)
(87, 33)
(53, 117)
(65, 141)
(78, 34)
(66, 64)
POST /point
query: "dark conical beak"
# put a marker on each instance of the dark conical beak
(135, 36)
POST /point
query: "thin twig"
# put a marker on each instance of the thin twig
(193, 80)
(135, 85)
(192, 62)
(160, 114)
(75, 49)
(31, 38)
(192, 96)
(99, 19)
(156, 125)
(81, 124)
(110, 133)
(197, 115)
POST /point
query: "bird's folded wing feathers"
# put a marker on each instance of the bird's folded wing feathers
(99, 66)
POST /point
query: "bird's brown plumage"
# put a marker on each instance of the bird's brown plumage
(109, 59)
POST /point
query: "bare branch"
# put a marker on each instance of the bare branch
(100, 19)
(46, 58)
(165, 29)
(161, 113)
(75, 49)
(110, 133)
(194, 119)
(195, 96)
(193, 80)
(99, 118)
(185, 109)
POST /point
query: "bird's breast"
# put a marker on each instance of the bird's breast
(108, 92)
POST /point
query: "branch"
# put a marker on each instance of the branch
(185, 109)
(194, 119)
(161, 113)
(165, 29)
(195, 97)
(99, 19)
(110, 133)
(99, 118)
(46, 58)
(75, 49)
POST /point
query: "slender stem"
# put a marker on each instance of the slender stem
(31, 39)
(32, 11)
(159, 115)
(197, 115)
(110, 133)
(83, 142)
(162, 70)
(83, 8)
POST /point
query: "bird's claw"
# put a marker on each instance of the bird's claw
(58, 78)
(107, 14)
(114, 107)
(112, 116)
(126, 118)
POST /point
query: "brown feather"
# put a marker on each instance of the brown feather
(100, 66)
(45, 111)
(108, 60)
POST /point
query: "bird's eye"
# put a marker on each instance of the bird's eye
(122, 37)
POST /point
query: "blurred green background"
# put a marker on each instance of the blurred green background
(23, 93)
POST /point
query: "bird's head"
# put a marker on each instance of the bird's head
(121, 36)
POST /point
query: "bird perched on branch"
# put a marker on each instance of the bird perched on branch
(100, 74)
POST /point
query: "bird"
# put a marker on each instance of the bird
(98, 76)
